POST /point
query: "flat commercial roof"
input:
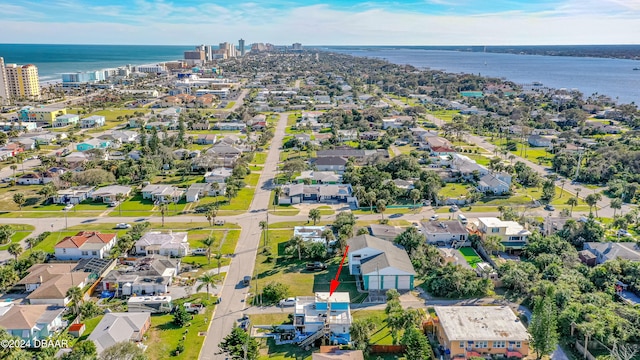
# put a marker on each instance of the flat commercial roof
(465, 323)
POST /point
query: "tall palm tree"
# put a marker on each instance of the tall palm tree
(76, 296)
(572, 201)
(208, 242)
(492, 244)
(14, 167)
(206, 280)
(381, 207)
(163, 211)
(218, 257)
(211, 213)
(297, 242)
(120, 198)
(15, 249)
(314, 215)
(276, 197)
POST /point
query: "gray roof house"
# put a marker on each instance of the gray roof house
(166, 244)
(491, 183)
(330, 163)
(162, 193)
(605, 251)
(381, 264)
(109, 193)
(447, 232)
(119, 327)
(385, 232)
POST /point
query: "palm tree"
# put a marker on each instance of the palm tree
(381, 206)
(163, 211)
(14, 167)
(492, 244)
(231, 192)
(207, 280)
(616, 204)
(297, 242)
(208, 242)
(276, 196)
(19, 199)
(592, 200)
(562, 182)
(371, 198)
(328, 236)
(75, 295)
(15, 249)
(218, 257)
(415, 195)
(120, 198)
(314, 214)
(572, 201)
(211, 213)
(215, 187)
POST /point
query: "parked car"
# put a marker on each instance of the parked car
(199, 251)
(123, 226)
(316, 265)
(114, 204)
(288, 302)
(68, 207)
(549, 207)
(453, 208)
(246, 280)
(434, 217)
(193, 308)
(623, 233)
(245, 324)
(218, 222)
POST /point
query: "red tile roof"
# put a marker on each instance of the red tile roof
(83, 237)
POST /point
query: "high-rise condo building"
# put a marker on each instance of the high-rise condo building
(296, 47)
(4, 85)
(241, 46)
(23, 81)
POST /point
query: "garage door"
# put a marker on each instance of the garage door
(389, 282)
(373, 282)
(404, 282)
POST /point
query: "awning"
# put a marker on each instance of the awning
(514, 354)
(471, 354)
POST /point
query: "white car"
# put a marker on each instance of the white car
(434, 217)
(68, 207)
(123, 226)
(288, 302)
(624, 233)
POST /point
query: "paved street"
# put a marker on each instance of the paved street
(233, 294)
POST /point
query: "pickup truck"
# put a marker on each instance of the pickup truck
(193, 308)
(316, 266)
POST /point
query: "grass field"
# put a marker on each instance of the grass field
(21, 232)
(454, 190)
(259, 158)
(444, 115)
(471, 256)
(289, 270)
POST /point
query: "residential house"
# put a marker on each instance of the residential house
(450, 233)
(13, 148)
(480, 331)
(144, 276)
(25, 143)
(73, 195)
(370, 135)
(121, 136)
(312, 313)
(542, 140)
(171, 243)
(197, 191)
(206, 139)
(29, 179)
(76, 159)
(92, 121)
(52, 174)
(385, 232)
(348, 135)
(227, 155)
(302, 138)
(200, 125)
(348, 152)
(311, 115)
(66, 120)
(466, 167)
(93, 143)
(330, 164)
(218, 175)
(381, 264)
(32, 324)
(319, 177)
(115, 328)
(298, 193)
(494, 184)
(396, 122)
(85, 245)
(49, 283)
(605, 251)
(109, 193)
(230, 126)
(587, 257)
(19, 126)
(48, 138)
(322, 99)
(512, 235)
(161, 193)
(310, 233)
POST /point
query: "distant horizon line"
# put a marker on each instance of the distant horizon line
(340, 45)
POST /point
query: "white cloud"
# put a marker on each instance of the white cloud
(320, 24)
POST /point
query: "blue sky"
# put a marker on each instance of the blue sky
(321, 22)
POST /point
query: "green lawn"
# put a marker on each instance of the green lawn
(326, 210)
(291, 271)
(381, 335)
(230, 104)
(21, 232)
(260, 158)
(163, 336)
(454, 190)
(89, 326)
(444, 115)
(252, 179)
(471, 256)
(134, 206)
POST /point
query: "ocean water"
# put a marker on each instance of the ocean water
(52, 60)
(613, 77)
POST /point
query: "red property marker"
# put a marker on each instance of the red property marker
(334, 282)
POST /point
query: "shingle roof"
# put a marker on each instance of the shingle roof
(22, 317)
(392, 255)
(330, 160)
(85, 237)
(117, 327)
